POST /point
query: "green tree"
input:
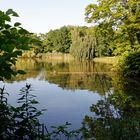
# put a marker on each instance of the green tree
(83, 43)
(58, 40)
(37, 46)
(121, 17)
(14, 39)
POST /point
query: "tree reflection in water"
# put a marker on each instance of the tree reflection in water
(115, 117)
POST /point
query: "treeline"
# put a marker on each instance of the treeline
(80, 41)
(116, 32)
(118, 24)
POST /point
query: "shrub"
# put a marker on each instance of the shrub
(131, 64)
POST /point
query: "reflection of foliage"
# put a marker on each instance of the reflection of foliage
(31, 67)
(69, 75)
(90, 82)
(79, 75)
(115, 117)
(126, 85)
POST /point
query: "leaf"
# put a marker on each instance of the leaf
(7, 26)
(42, 110)
(25, 47)
(13, 61)
(8, 48)
(23, 31)
(21, 72)
(34, 102)
(16, 53)
(17, 24)
(7, 18)
(6, 32)
(11, 12)
(21, 98)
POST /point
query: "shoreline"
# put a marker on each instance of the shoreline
(67, 57)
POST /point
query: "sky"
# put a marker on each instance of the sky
(40, 16)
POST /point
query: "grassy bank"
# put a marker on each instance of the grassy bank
(48, 56)
(57, 56)
(66, 57)
(108, 60)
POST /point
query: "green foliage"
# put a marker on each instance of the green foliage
(118, 25)
(27, 114)
(105, 35)
(6, 115)
(83, 43)
(131, 64)
(58, 40)
(118, 22)
(19, 122)
(115, 117)
(14, 39)
(62, 132)
(37, 46)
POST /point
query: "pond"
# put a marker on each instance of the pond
(66, 89)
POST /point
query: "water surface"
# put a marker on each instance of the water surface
(65, 89)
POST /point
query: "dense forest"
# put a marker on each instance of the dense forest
(81, 42)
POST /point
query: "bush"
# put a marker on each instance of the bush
(131, 64)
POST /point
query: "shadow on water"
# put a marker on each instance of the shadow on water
(115, 116)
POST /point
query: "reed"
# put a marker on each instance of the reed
(108, 60)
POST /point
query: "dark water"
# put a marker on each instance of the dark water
(66, 89)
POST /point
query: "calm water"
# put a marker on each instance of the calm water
(65, 89)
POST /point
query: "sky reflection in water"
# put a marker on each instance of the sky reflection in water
(66, 90)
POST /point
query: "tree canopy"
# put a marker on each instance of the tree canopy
(14, 39)
(58, 40)
(120, 17)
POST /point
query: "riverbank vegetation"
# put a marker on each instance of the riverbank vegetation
(116, 33)
(121, 20)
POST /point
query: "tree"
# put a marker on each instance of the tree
(14, 39)
(83, 43)
(122, 17)
(58, 40)
(37, 46)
